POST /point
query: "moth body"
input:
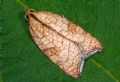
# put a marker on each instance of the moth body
(64, 42)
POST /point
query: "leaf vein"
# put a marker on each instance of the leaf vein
(22, 4)
(105, 70)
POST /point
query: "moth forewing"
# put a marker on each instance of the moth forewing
(64, 42)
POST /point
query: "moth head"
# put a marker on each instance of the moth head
(27, 13)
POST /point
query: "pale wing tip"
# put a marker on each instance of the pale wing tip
(90, 53)
(82, 59)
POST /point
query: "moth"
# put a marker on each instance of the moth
(64, 42)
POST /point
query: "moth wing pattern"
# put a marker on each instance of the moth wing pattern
(64, 42)
(71, 31)
(61, 51)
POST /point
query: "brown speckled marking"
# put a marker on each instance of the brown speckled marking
(72, 28)
(64, 42)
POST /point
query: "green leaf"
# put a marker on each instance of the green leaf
(22, 61)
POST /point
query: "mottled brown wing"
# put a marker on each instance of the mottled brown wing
(65, 43)
(58, 48)
(71, 31)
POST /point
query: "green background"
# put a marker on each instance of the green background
(22, 61)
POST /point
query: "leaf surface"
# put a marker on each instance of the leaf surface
(22, 61)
